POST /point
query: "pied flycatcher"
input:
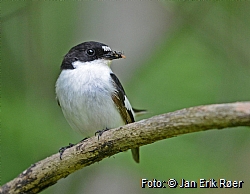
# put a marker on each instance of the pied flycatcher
(89, 93)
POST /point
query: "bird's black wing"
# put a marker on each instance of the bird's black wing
(119, 98)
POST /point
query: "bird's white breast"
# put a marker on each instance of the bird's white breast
(84, 94)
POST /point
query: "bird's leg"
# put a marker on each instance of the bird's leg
(100, 132)
(62, 149)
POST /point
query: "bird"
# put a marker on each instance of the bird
(90, 95)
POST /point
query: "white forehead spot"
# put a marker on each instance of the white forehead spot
(106, 48)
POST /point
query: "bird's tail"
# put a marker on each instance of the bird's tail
(139, 112)
(136, 154)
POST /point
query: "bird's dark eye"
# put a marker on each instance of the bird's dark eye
(90, 52)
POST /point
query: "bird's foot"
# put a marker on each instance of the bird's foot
(62, 149)
(100, 132)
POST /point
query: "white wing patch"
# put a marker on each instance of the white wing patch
(128, 105)
(106, 48)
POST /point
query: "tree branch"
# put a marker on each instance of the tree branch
(48, 171)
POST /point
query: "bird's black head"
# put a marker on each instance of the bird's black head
(89, 51)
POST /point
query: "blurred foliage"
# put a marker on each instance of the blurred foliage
(202, 58)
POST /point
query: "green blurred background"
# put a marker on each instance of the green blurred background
(179, 54)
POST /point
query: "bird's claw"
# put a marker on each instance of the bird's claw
(100, 132)
(62, 149)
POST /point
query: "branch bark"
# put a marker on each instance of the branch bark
(201, 118)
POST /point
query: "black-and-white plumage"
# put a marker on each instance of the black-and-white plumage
(89, 93)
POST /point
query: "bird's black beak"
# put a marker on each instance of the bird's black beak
(110, 55)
